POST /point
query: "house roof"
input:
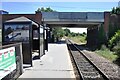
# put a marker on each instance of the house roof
(22, 19)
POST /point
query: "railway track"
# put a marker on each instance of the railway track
(86, 69)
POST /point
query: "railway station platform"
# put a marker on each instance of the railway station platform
(55, 63)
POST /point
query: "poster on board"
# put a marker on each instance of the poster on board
(7, 61)
(16, 32)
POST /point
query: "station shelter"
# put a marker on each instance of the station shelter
(27, 29)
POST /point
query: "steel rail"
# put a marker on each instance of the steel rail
(100, 72)
(79, 72)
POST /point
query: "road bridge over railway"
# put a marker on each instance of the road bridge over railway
(90, 20)
(73, 19)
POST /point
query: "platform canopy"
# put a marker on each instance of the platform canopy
(22, 19)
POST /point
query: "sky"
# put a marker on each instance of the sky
(31, 7)
(59, 0)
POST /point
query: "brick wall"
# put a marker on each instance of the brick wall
(37, 17)
(106, 22)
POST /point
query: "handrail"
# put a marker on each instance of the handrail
(9, 45)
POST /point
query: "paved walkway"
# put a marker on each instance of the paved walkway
(55, 63)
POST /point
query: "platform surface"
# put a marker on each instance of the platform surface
(55, 63)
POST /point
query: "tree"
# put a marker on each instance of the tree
(42, 9)
(58, 33)
(115, 39)
(112, 29)
(84, 33)
(67, 32)
(73, 34)
(117, 49)
(115, 10)
(38, 10)
(49, 10)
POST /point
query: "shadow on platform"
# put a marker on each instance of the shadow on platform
(58, 42)
(36, 57)
(61, 42)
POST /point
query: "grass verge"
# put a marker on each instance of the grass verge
(107, 54)
(79, 39)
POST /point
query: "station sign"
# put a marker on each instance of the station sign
(7, 61)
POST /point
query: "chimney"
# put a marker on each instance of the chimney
(38, 16)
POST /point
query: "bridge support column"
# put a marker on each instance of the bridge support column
(50, 36)
(92, 38)
(106, 23)
(46, 37)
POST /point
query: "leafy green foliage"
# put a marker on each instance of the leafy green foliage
(106, 53)
(115, 10)
(38, 10)
(103, 47)
(73, 34)
(113, 52)
(112, 29)
(117, 48)
(67, 32)
(78, 39)
(115, 39)
(48, 9)
(84, 33)
(58, 32)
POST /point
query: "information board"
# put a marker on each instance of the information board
(7, 61)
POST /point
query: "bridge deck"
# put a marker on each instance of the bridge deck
(73, 19)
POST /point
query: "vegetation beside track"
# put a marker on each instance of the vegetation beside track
(79, 39)
(106, 53)
(112, 52)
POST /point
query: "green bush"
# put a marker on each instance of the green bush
(103, 47)
(114, 40)
(115, 10)
(106, 53)
(117, 49)
(112, 29)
